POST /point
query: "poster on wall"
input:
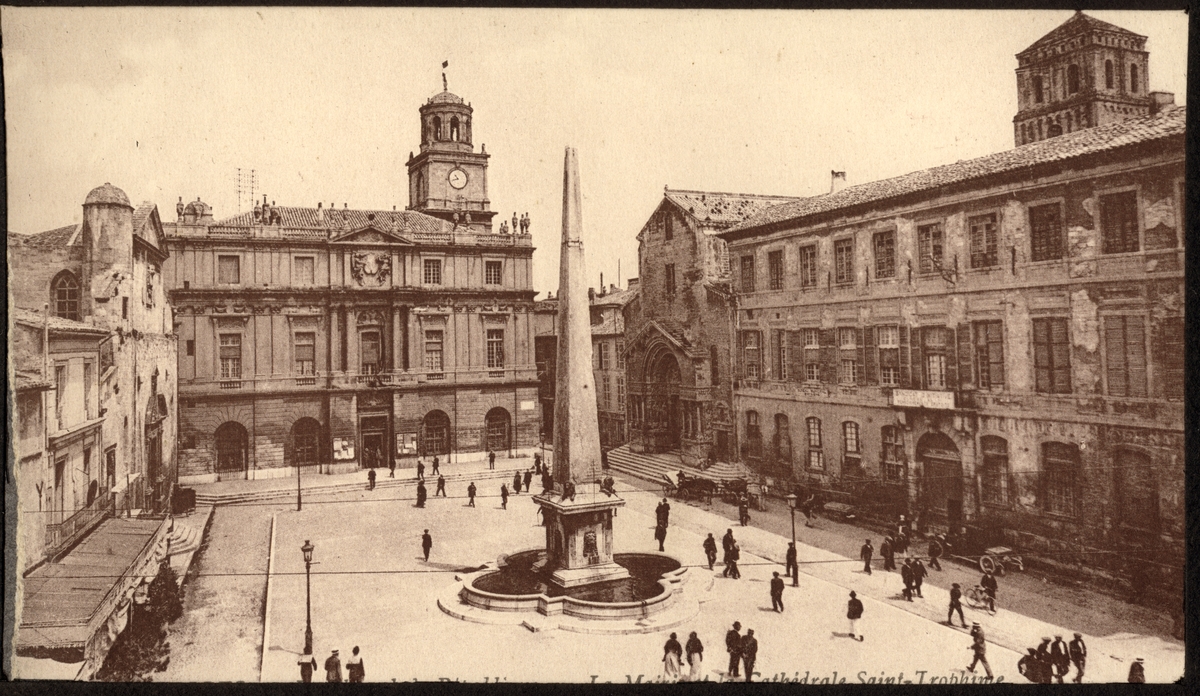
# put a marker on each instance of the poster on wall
(343, 448)
(406, 444)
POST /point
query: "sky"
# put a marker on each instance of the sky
(322, 104)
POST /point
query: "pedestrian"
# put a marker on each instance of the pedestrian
(808, 508)
(672, 655)
(422, 494)
(792, 568)
(955, 605)
(529, 477)
(537, 464)
(1077, 651)
(1137, 672)
(436, 465)
(695, 657)
(727, 544)
(733, 645)
(503, 496)
(777, 592)
(935, 553)
(919, 574)
(660, 535)
(663, 512)
(426, 543)
(988, 583)
(865, 554)
(354, 668)
(391, 467)
(420, 471)
(491, 459)
(517, 482)
(308, 665)
(333, 667)
(888, 553)
(1059, 660)
(749, 652)
(743, 511)
(979, 648)
(735, 555)
(441, 488)
(1043, 658)
(1028, 666)
(471, 494)
(906, 576)
(854, 612)
(710, 550)
(370, 479)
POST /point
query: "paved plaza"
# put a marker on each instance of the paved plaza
(372, 588)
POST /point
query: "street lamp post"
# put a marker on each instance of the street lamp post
(791, 498)
(307, 550)
(297, 486)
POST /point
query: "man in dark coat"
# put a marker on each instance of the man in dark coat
(471, 494)
(1077, 651)
(517, 482)
(1028, 666)
(854, 612)
(370, 479)
(906, 576)
(744, 511)
(750, 652)
(888, 553)
(426, 543)
(865, 554)
(733, 644)
(731, 562)
(710, 550)
(1137, 672)
(777, 592)
(792, 568)
(527, 478)
(1043, 657)
(919, 572)
(308, 664)
(420, 470)
(491, 459)
(979, 648)
(663, 512)
(988, 583)
(955, 605)
(660, 535)
(422, 494)
(1059, 659)
(333, 667)
(435, 471)
(935, 553)
(391, 467)
(504, 496)
(441, 486)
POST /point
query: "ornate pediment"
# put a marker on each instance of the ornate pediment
(371, 234)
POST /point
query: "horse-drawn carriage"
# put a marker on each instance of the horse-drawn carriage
(685, 487)
(733, 490)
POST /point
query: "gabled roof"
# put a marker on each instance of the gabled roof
(1167, 124)
(724, 209)
(371, 230)
(29, 317)
(1079, 23)
(348, 219)
(148, 227)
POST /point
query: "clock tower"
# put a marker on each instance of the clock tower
(448, 179)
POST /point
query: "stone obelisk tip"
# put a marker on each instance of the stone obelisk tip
(572, 222)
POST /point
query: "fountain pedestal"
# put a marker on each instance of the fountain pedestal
(579, 538)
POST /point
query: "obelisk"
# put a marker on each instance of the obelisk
(579, 537)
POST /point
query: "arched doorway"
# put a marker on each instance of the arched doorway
(306, 442)
(435, 434)
(497, 429)
(942, 477)
(233, 447)
(663, 415)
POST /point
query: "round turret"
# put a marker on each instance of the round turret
(107, 195)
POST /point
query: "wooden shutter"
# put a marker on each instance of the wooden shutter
(739, 363)
(951, 362)
(966, 378)
(870, 374)
(905, 373)
(1041, 356)
(796, 356)
(1060, 356)
(1114, 354)
(861, 357)
(829, 349)
(1135, 355)
(1169, 358)
(917, 380)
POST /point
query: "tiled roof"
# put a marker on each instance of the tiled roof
(1168, 123)
(141, 215)
(50, 239)
(347, 219)
(620, 298)
(723, 208)
(33, 318)
(1079, 23)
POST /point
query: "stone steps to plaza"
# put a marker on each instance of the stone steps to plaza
(652, 467)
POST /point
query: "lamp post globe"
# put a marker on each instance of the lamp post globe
(307, 550)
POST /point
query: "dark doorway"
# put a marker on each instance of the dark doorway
(662, 405)
(942, 477)
(722, 445)
(232, 443)
(373, 430)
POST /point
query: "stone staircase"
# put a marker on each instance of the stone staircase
(287, 487)
(651, 467)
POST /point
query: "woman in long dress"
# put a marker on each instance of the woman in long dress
(672, 653)
(695, 656)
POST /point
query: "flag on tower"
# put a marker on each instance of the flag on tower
(445, 64)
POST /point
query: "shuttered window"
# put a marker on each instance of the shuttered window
(994, 472)
(983, 241)
(1051, 356)
(370, 352)
(1045, 232)
(938, 365)
(775, 269)
(885, 254)
(989, 354)
(751, 356)
(929, 247)
(808, 266)
(305, 347)
(1119, 223)
(889, 354)
(781, 355)
(1170, 358)
(231, 356)
(843, 256)
(747, 274)
(1125, 354)
(812, 355)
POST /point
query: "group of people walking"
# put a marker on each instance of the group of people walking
(1050, 661)
(355, 672)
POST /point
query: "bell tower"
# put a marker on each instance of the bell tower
(1082, 74)
(448, 178)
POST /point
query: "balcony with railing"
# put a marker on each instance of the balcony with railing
(358, 380)
(63, 535)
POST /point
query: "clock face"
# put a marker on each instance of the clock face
(458, 178)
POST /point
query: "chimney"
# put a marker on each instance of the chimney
(1160, 101)
(837, 181)
(320, 212)
(631, 284)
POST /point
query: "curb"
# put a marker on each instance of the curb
(262, 660)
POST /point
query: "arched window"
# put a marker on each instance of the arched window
(64, 291)
(1072, 78)
(1133, 78)
(306, 442)
(1060, 478)
(232, 444)
(454, 128)
(816, 458)
(497, 427)
(435, 434)
(753, 435)
(437, 128)
(419, 190)
(993, 470)
(1037, 89)
(1137, 490)
(1108, 74)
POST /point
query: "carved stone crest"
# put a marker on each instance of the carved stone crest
(371, 268)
